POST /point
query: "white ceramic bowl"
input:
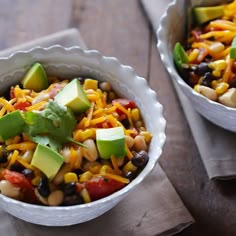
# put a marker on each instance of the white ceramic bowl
(172, 30)
(71, 62)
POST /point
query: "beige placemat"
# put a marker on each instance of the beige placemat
(153, 208)
(216, 145)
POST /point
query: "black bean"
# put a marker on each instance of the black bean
(28, 173)
(74, 199)
(126, 123)
(202, 69)
(43, 187)
(140, 159)
(207, 78)
(130, 175)
(4, 157)
(69, 188)
(78, 171)
(233, 83)
(16, 167)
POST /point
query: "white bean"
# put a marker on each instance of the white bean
(59, 178)
(129, 141)
(8, 189)
(90, 153)
(139, 143)
(55, 198)
(207, 92)
(41, 97)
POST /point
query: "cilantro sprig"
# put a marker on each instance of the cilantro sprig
(53, 126)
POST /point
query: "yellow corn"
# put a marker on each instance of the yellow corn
(129, 167)
(90, 84)
(196, 87)
(221, 88)
(85, 195)
(85, 176)
(135, 114)
(36, 180)
(193, 55)
(218, 65)
(147, 136)
(216, 73)
(106, 169)
(70, 177)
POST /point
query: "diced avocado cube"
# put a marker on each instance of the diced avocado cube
(35, 78)
(47, 160)
(11, 125)
(180, 56)
(204, 14)
(111, 141)
(232, 51)
(74, 97)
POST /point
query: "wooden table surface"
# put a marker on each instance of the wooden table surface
(120, 28)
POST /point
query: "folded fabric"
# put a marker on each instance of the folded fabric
(152, 208)
(216, 145)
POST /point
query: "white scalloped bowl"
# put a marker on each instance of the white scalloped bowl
(71, 62)
(172, 30)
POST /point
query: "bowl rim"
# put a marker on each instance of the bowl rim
(162, 124)
(168, 62)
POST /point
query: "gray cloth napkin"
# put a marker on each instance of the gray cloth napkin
(153, 208)
(216, 145)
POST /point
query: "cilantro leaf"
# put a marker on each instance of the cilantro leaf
(53, 126)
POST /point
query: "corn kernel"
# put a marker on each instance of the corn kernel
(221, 88)
(85, 176)
(196, 88)
(147, 136)
(218, 65)
(193, 55)
(129, 167)
(85, 195)
(70, 177)
(135, 115)
(36, 180)
(214, 84)
(216, 73)
(106, 169)
(90, 84)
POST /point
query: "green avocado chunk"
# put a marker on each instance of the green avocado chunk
(111, 141)
(11, 125)
(35, 78)
(74, 97)
(180, 56)
(47, 160)
(232, 51)
(204, 14)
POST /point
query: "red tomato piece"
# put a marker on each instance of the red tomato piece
(99, 187)
(21, 181)
(21, 105)
(125, 103)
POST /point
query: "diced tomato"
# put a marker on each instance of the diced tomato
(99, 187)
(21, 105)
(125, 103)
(21, 181)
